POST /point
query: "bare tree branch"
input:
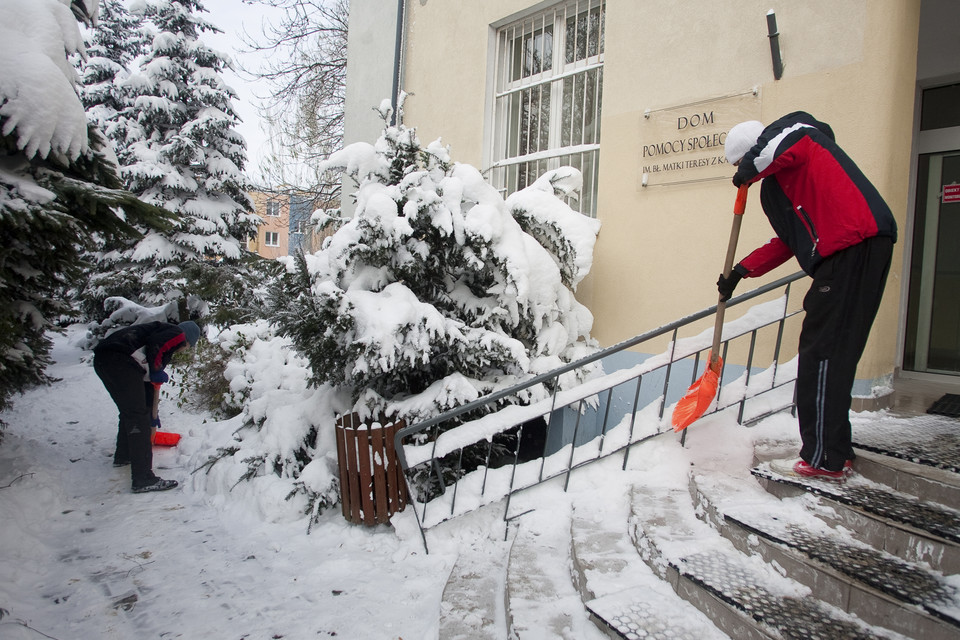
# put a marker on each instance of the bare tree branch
(303, 66)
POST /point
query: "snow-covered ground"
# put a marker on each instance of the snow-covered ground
(81, 557)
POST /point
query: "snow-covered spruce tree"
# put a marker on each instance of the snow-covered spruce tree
(58, 181)
(432, 295)
(182, 154)
(113, 46)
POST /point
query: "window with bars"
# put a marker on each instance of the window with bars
(549, 82)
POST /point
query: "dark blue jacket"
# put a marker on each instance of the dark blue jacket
(159, 340)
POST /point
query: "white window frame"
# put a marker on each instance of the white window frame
(273, 208)
(267, 238)
(507, 170)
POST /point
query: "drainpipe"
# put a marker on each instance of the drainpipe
(398, 61)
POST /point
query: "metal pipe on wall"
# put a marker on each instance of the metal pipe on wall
(774, 36)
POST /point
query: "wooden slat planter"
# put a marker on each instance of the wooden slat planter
(372, 486)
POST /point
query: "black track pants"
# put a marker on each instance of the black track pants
(840, 308)
(123, 378)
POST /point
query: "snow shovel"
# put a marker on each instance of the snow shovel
(161, 438)
(702, 392)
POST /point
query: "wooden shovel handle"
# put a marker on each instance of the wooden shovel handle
(155, 409)
(738, 208)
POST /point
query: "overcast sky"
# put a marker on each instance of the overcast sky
(233, 17)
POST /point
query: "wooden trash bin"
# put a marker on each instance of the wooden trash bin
(372, 485)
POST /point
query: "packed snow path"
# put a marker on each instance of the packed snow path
(82, 557)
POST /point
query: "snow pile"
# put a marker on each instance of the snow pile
(38, 99)
(279, 453)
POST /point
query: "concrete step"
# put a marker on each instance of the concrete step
(625, 598)
(542, 600)
(877, 587)
(898, 523)
(474, 599)
(743, 595)
(923, 481)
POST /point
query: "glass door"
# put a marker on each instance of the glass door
(933, 314)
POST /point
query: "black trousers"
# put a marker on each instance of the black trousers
(840, 308)
(123, 378)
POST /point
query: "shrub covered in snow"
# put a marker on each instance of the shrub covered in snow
(437, 291)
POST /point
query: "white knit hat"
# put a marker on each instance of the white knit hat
(740, 139)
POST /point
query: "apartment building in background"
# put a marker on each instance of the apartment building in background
(285, 227)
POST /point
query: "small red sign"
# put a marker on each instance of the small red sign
(951, 193)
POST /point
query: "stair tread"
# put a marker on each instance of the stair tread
(792, 615)
(870, 497)
(931, 440)
(543, 602)
(905, 581)
(639, 612)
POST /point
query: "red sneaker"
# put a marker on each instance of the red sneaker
(801, 468)
(804, 470)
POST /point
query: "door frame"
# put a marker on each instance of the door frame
(924, 142)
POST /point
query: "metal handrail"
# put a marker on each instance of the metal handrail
(591, 388)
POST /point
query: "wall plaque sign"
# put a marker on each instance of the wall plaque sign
(684, 144)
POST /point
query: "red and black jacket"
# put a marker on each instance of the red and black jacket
(159, 340)
(817, 200)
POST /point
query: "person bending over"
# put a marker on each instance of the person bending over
(130, 362)
(828, 216)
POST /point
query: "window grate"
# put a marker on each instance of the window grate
(548, 97)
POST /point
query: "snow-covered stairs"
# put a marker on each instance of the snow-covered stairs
(622, 593)
(543, 599)
(865, 560)
(744, 596)
(738, 553)
(911, 526)
(879, 587)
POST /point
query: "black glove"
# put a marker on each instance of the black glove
(737, 180)
(726, 285)
(158, 377)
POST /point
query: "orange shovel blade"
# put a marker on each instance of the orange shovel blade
(699, 396)
(166, 439)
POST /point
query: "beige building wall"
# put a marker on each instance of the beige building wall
(275, 224)
(851, 63)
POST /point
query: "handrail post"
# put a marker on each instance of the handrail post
(746, 380)
(633, 421)
(573, 445)
(603, 426)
